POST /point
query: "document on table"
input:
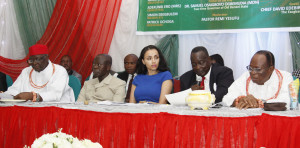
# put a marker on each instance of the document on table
(6, 96)
(178, 98)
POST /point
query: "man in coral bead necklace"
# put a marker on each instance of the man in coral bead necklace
(42, 80)
(263, 83)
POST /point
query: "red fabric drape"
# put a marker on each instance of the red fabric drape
(80, 28)
(20, 126)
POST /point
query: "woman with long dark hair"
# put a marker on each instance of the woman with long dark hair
(154, 79)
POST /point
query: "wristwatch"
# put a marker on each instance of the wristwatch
(38, 97)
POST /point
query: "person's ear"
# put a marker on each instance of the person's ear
(108, 67)
(143, 61)
(271, 68)
(209, 59)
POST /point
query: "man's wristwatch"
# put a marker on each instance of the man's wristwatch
(38, 97)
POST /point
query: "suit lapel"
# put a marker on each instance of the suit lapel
(212, 79)
(193, 79)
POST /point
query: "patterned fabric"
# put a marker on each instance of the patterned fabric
(296, 73)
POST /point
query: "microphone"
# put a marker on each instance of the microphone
(199, 80)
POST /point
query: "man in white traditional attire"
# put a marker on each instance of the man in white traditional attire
(42, 80)
(262, 83)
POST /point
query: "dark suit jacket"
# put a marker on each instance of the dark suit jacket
(3, 85)
(221, 75)
(123, 76)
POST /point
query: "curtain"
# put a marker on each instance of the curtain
(33, 18)
(169, 47)
(295, 42)
(21, 125)
(237, 49)
(80, 28)
(10, 41)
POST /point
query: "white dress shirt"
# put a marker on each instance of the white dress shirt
(128, 80)
(263, 92)
(206, 80)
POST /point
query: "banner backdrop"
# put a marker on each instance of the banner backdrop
(217, 16)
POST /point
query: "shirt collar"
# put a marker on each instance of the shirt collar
(107, 79)
(272, 78)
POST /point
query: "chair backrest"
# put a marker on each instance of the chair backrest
(176, 86)
(75, 84)
(9, 81)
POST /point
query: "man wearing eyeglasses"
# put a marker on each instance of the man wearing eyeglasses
(262, 83)
(105, 86)
(42, 80)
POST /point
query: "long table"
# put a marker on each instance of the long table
(144, 125)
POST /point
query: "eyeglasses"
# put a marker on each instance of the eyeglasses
(256, 70)
(98, 65)
(40, 59)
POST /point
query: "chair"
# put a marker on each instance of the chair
(9, 81)
(75, 84)
(176, 87)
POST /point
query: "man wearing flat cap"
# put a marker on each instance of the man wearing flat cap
(42, 80)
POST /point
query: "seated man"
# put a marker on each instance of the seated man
(67, 63)
(105, 87)
(206, 76)
(130, 62)
(262, 83)
(43, 80)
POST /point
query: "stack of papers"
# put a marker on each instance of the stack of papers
(178, 98)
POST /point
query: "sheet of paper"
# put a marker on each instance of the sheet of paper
(110, 103)
(6, 96)
(179, 97)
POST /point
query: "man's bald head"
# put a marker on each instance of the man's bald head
(106, 58)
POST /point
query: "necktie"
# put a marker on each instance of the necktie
(202, 87)
(129, 90)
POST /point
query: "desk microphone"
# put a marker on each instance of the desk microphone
(199, 80)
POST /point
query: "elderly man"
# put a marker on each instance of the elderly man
(262, 83)
(67, 63)
(206, 76)
(130, 62)
(105, 87)
(43, 80)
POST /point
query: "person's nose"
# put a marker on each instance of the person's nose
(200, 67)
(35, 62)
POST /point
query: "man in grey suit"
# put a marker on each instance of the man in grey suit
(206, 76)
(105, 87)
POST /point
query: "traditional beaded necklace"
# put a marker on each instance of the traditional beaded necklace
(36, 86)
(280, 77)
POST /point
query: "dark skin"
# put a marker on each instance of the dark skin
(130, 62)
(258, 61)
(66, 62)
(38, 63)
(101, 67)
(201, 64)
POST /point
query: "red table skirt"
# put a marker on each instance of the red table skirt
(22, 125)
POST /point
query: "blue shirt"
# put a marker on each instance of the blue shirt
(148, 87)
